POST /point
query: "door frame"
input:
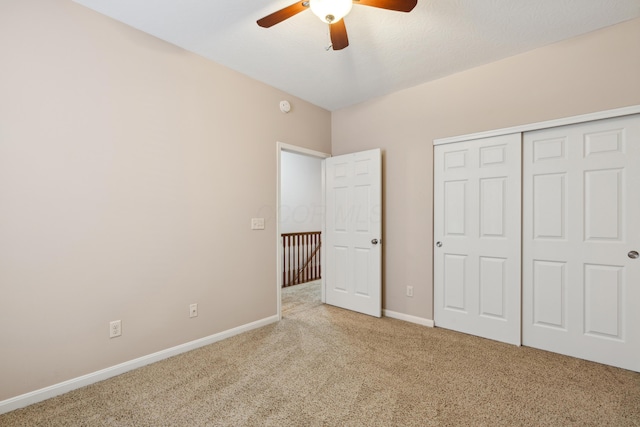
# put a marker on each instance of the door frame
(280, 147)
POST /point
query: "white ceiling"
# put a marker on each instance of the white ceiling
(388, 51)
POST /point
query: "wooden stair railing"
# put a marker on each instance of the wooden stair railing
(301, 257)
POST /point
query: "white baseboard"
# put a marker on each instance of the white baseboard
(408, 318)
(75, 383)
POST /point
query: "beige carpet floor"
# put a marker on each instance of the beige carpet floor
(323, 366)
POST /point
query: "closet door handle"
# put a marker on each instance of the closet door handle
(633, 254)
(439, 244)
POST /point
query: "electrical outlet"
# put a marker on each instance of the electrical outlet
(409, 291)
(115, 328)
(193, 310)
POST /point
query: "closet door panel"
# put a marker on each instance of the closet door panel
(477, 192)
(581, 215)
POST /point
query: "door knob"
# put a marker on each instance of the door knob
(439, 244)
(633, 254)
(374, 241)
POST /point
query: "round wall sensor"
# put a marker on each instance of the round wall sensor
(285, 107)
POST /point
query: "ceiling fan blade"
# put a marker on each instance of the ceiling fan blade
(338, 31)
(399, 5)
(282, 14)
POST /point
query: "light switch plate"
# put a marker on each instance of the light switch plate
(257, 223)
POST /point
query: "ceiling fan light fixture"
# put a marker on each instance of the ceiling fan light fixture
(330, 11)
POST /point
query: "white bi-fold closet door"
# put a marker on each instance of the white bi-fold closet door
(580, 230)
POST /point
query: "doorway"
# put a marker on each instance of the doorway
(300, 200)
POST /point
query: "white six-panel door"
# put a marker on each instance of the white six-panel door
(477, 228)
(581, 222)
(353, 250)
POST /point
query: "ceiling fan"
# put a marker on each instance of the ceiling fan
(332, 12)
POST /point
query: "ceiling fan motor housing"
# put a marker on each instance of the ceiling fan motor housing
(330, 11)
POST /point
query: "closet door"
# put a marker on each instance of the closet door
(477, 228)
(581, 226)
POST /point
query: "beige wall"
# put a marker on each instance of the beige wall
(594, 72)
(129, 171)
